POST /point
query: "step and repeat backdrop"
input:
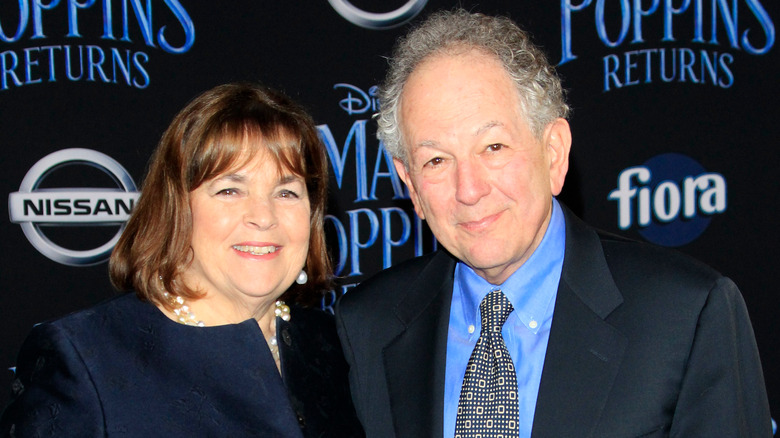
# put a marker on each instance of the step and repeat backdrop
(675, 124)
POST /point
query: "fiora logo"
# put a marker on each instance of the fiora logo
(32, 207)
(378, 21)
(670, 198)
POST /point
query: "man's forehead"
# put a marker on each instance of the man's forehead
(450, 81)
(477, 132)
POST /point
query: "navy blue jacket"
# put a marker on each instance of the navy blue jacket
(644, 342)
(122, 368)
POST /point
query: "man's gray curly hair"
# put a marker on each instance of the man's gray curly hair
(538, 86)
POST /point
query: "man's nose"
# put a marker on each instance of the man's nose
(471, 183)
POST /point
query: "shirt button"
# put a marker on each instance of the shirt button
(533, 324)
(471, 328)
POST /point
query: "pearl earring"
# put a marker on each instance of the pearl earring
(302, 277)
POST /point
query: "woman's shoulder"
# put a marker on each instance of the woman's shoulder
(113, 320)
(74, 342)
(114, 309)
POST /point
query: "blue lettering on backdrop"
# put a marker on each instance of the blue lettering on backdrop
(385, 227)
(712, 19)
(670, 198)
(89, 62)
(675, 64)
(360, 102)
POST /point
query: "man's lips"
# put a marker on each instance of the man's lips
(480, 224)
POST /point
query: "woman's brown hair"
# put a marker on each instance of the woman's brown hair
(208, 137)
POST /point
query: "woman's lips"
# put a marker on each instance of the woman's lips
(257, 250)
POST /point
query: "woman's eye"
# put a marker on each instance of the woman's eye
(288, 194)
(495, 147)
(227, 192)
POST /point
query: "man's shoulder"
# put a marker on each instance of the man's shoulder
(624, 254)
(636, 258)
(642, 272)
(652, 276)
(388, 285)
(405, 271)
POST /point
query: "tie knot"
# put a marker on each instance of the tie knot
(494, 310)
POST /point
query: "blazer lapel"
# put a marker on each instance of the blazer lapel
(584, 352)
(415, 359)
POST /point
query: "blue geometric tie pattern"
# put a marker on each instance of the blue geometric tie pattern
(488, 399)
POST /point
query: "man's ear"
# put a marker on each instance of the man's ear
(402, 172)
(558, 137)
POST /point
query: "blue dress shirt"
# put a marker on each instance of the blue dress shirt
(531, 290)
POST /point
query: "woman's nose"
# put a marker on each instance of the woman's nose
(260, 214)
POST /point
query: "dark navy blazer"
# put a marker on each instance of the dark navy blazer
(644, 342)
(122, 368)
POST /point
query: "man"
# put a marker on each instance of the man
(607, 337)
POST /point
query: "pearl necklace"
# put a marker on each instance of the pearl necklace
(281, 311)
(186, 316)
(182, 311)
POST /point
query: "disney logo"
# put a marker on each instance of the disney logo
(357, 100)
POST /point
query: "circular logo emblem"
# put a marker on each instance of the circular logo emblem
(670, 198)
(32, 207)
(373, 20)
(672, 229)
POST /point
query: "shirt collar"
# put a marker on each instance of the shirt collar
(531, 288)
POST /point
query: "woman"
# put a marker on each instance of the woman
(228, 228)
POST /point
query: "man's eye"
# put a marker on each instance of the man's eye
(435, 161)
(495, 147)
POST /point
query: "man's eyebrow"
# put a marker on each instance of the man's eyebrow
(427, 144)
(487, 126)
(481, 130)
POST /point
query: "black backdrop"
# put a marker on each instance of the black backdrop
(661, 91)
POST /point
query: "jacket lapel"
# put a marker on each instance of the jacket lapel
(415, 359)
(584, 352)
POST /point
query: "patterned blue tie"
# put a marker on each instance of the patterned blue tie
(488, 398)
